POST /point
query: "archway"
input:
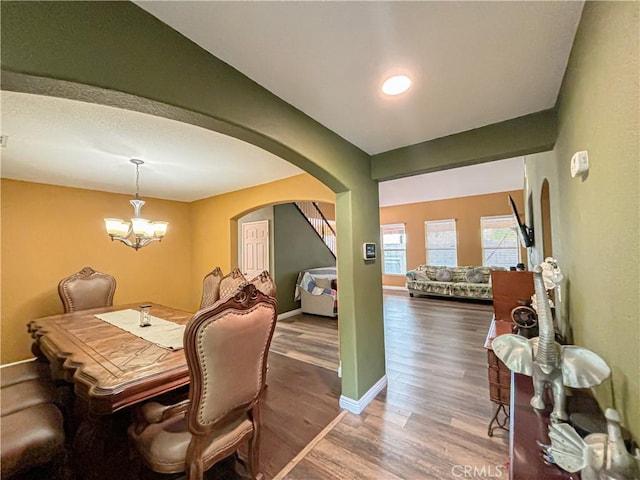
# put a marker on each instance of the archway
(133, 61)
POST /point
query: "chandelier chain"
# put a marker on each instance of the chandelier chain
(137, 180)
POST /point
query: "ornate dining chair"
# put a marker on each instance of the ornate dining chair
(226, 347)
(211, 288)
(264, 283)
(86, 289)
(231, 283)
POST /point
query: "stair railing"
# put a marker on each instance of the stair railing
(320, 224)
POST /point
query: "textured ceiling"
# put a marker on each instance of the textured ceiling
(473, 63)
(76, 144)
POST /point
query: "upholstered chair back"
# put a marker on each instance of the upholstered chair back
(86, 289)
(211, 288)
(231, 283)
(264, 283)
(226, 348)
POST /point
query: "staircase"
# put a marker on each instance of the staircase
(323, 227)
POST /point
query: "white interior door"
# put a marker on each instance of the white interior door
(255, 248)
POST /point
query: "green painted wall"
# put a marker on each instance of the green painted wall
(596, 233)
(297, 247)
(265, 213)
(114, 53)
(512, 138)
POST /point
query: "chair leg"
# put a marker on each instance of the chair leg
(195, 467)
(254, 444)
(195, 471)
(253, 464)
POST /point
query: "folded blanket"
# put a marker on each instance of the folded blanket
(308, 284)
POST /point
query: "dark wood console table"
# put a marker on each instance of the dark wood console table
(499, 378)
(512, 392)
(527, 426)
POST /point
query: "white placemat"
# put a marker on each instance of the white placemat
(163, 333)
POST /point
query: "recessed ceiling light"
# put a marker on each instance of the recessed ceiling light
(396, 85)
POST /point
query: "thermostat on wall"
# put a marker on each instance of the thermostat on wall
(369, 251)
(579, 163)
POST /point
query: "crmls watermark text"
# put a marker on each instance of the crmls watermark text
(475, 471)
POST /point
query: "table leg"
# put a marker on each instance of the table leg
(500, 418)
(100, 447)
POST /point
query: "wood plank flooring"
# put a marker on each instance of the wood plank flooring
(309, 338)
(431, 421)
(300, 400)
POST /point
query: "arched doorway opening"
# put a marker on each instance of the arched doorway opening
(136, 72)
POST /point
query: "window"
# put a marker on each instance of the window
(442, 242)
(394, 249)
(500, 246)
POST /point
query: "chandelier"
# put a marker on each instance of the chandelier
(140, 231)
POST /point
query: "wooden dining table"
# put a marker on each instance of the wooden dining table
(110, 368)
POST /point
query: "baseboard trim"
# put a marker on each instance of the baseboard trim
(291, 313)
(392, 287)
(18, 362)
(357, 406)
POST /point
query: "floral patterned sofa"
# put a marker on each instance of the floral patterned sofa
(461, 282)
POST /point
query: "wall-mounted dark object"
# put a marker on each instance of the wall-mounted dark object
(526, 233)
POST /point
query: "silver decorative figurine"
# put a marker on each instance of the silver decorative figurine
(599, 456)
(548, 362)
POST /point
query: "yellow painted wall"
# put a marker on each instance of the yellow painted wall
(50, 232)
(328, 210)
(465, 210)
(186, 83)
(214, 220)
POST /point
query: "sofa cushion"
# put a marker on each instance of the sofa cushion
(471, 290)
(475, 275)
(460, 274)
(431, 287)
(428, 271)
(444, 275)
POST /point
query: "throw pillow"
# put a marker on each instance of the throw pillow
(444, 275)
(420, 275)
(474, 275)
(430, 271)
